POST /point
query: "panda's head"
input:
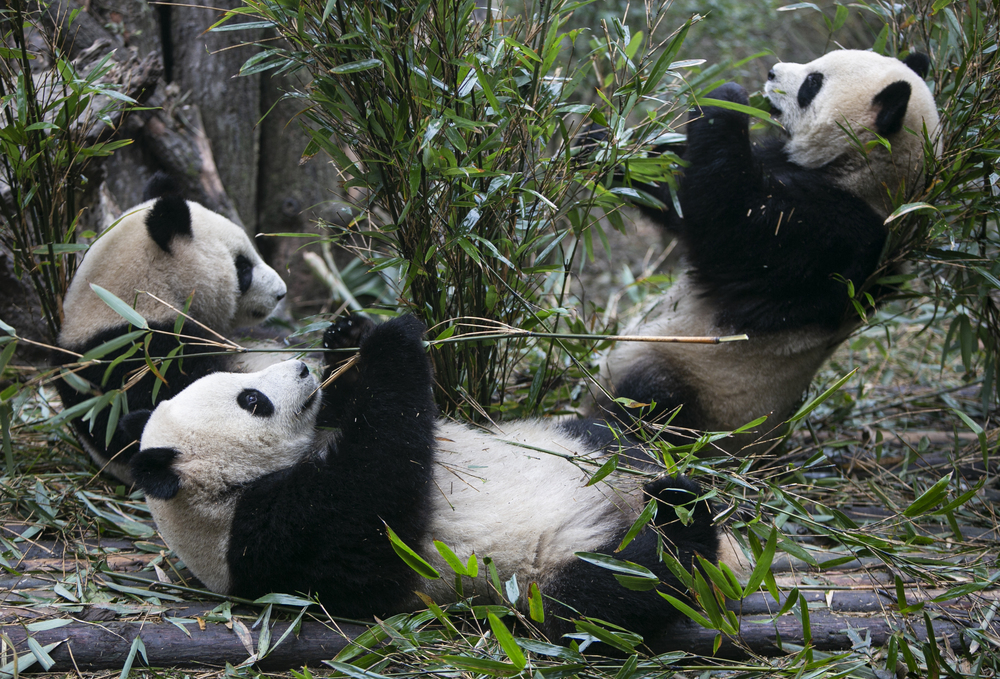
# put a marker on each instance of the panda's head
(848, 93)
(226, 430)
(173, 249)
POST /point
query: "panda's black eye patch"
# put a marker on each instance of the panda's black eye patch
(810, 88)
(244, 273)
(255, 403)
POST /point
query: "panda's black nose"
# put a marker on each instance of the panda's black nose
(278, 298)
(303, 370)
(771, 75)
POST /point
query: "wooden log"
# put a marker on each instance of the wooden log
(100, 647)
(73, 37)
(176, 137)
(829, 632)
(91, 647)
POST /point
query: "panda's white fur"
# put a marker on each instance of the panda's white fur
(125, 261)
(250, 491)
(174, 250)
(769, 230)
(740, 380)
(491, 493)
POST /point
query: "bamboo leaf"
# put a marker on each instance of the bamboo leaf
(507, 643)
(647, 514)
(356, 66)
(103, 350)
(450, 558)
(929, 498)
(816, 402)
(606, 468)
(763, 565)
(617, 565)
(120, 307)
(535, 608)
(412, 559)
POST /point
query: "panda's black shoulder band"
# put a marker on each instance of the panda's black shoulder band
(169, 218)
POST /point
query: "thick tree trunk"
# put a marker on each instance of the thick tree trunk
(294, 195)
(206, 65)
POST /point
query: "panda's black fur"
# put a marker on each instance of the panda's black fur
(317, 521)
(178, 375)
(177, 249)
(769, 244)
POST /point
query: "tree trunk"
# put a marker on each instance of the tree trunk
(206, 65)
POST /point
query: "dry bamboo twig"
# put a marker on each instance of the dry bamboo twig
(496, 330)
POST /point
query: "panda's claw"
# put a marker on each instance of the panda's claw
(347, 332)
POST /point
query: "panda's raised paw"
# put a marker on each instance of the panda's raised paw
(726, 92)
(347, 332)
(731, 92)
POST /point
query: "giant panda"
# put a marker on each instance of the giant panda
(772, 231)
(176, 250)
(252, 489)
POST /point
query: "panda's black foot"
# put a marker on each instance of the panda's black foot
(678, 492)
(695, 533)
(345, 333)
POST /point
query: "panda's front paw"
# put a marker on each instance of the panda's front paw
(346, 332)
(709, 114)
(731, 92)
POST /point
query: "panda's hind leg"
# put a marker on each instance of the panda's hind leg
(700, 535)
(586, 589)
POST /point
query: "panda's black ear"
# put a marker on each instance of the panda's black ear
(918, 63)
(891, 103)
(133, 423)
(152, 469)
(160, 184)
(169, 218)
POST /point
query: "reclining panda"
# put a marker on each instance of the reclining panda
(772, 231)
(175, 250)
(248, 486)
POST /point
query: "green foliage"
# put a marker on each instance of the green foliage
(47, 125)
(456, 127)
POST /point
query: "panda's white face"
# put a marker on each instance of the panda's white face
(237, 282)
(848, 89)
(202, 255)
(228, 429)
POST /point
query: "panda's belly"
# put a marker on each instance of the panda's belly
(736, 382)
(527, 510)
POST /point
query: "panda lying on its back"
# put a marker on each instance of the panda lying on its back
(770, 232)
(173, 249)
(247, 490)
